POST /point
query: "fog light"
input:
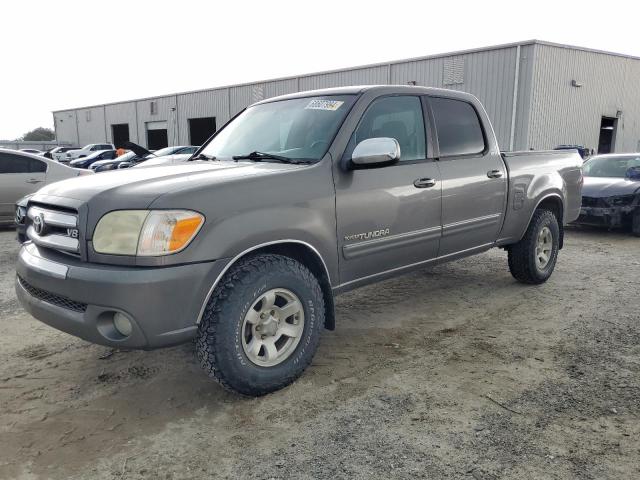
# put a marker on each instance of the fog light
(122, 324)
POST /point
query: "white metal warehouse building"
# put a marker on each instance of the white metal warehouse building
(539, 95)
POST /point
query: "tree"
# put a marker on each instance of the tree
(40, 134)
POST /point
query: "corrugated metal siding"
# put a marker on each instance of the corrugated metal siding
(280, 87)
(66, 129)
(91, 125)
(166, 111)
(488, 75)
(211, 103)
(523, 104)
(362, 76)
(122, 113)
(241, 96)
(564, 114)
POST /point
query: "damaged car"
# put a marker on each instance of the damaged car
(611, 192)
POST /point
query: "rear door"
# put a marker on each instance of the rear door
(387, 218)
(19, 176)
(474, 177)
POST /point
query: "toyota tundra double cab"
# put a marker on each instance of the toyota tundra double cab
(296, 199)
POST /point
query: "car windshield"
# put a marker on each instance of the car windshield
(614, 166)
(163, 151)
(300, 128)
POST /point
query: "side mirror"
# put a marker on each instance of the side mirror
(376, 152)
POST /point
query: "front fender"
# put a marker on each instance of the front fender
(295, 205)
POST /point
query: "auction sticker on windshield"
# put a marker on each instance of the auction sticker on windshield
(331, 105)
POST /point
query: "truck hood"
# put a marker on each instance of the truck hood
(139, 187)
(602, 187)
(166, 160)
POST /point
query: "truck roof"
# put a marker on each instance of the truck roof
(357, 89)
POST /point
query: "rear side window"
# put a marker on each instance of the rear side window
(36, 166)
(458, 127)
(13, 163)
(395, 117)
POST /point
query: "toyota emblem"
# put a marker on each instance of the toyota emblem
(38, 224)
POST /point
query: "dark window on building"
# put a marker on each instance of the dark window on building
(200, 129)
(157, 139)
(458, 127)
(13, 163)
(395, 117)
(120, 134)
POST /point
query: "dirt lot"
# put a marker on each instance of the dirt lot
(452, 372)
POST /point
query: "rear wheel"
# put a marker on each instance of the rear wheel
(533, 258)
(262, 325)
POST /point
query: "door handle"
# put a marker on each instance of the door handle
(424, 183)
(34, 180)
(494, 174)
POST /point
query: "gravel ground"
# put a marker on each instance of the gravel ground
(452, 372)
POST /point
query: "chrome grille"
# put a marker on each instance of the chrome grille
(52, 298)
(53, 229)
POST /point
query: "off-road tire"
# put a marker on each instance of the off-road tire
(522, 262)
(635, 223)
(219, 342)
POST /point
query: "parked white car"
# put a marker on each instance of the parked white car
(86, 150)
(23, 173)
(59, 153)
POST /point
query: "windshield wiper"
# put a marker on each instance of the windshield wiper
(260, 156)
(202, 156)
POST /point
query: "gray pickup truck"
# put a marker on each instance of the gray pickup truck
(296, 199)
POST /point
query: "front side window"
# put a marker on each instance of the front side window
(458, 127)
(13, 163)
(300, 128)
(395, 117)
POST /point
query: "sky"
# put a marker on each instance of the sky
(65, 53)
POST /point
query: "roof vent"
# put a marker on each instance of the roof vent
(453, 72)
(257, 93)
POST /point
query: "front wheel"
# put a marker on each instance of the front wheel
(262, 325)
(533, 258)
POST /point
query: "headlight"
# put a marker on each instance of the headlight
(146, 232)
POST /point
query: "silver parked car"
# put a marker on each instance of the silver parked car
(23, 173)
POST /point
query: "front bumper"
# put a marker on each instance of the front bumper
(80, 298)
(606, 216)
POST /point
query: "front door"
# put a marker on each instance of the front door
(19, 176)
(389, 217)
(474, 178)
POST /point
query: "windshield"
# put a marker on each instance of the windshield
(300, 128)
(613, 166)
(163, 151)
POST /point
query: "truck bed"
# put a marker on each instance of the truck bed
(531, 172)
